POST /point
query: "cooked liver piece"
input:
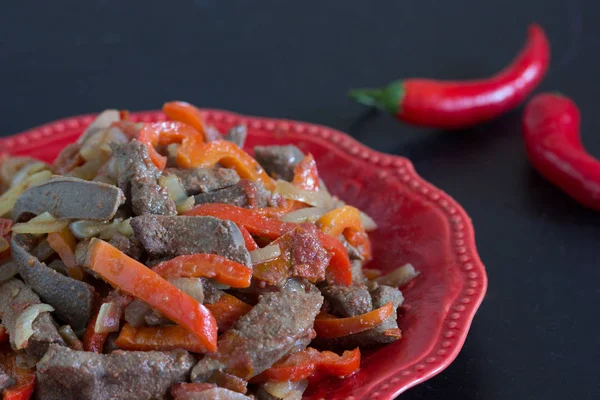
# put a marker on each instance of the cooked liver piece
(348, 301)
(138, 177)
(237, 135)
(128, 245)
(279, 161)
(163, 236)
(245, 193)
(281, 322)
(65, 374)
(66, 197)
(15, 297)
(72, 300)
(202, 180)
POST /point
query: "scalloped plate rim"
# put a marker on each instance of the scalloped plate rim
(426, 367)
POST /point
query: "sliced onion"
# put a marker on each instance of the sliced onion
(84, 229)
(265, 254)
(89, 170)
(125, 228)
(398, 277)
(291, 192)
(174, 186)
(24, 322)
(8, 270)
(310, 214)
(98, 143)
(367, 222)
(190, 286)
(111, 229)
(286, 390)
(69, 336)
(9, 198)
(186, 205)
(27, 171)
(10, 166)
(108, 319)
(43, 223)
(102, 121)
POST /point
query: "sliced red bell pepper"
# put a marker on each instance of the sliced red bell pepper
(124, 115)
(195, 154)
(339, 270)
(5, 227)
(24, 384)
(164, 133)
(248, 239)
(186, 113)
(346, 220)
(213, 266)
(141, 282)
(93, 341)
(306, 175)
(227, 310)
(63, 242)
(3, 334)
(328, 326)
(303, 364)
(158, 338)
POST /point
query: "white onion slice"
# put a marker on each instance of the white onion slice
(190, 286)
(125, 228)
(310, 214)
(186, 205)
(27, 171)
(24, 322)
(286, 390)
(102, 121)
(108, 319)
(69, 336)
(43, 223)
(367, 222)
(398, 277)
(291, 192)
(174, 186)
(84, 229)
(9, 198)
(265, 254)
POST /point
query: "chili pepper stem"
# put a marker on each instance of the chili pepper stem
(386, 98)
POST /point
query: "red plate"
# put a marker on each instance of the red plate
(418, 224)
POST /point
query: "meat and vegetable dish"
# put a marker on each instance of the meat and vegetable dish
(162, 261)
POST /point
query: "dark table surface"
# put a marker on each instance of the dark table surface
(536, 334)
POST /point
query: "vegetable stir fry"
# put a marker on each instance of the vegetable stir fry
(161, 260)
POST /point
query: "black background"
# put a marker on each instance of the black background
(536, 335)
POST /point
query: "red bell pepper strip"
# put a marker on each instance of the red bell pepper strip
(124, 115)
(5, 227)
(304, 364)
(63, 242)
(551, 125)
(227, 310)
(248, 239)
(306, 175)
(195, 154)
(93, 341)
(459, 104)
(24, 384)
(164, 133)
(213, 266)
(328, 326)
(186, 113)
(339, 270)
(3, 335)
(141, 282)
(158, 338)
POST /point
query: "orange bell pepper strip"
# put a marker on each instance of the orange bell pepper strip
(164, 133)
(186, 113)
(339, 271)
(328, 326)
(213, 266)
(305, 363)
(63, 242)
(24, 384)
(158, 338)
(136, 279)
(93, 341)
(306, 175)
(248, 239)
(227, 310)
(5, 227)
(346, 220)
(194, 154)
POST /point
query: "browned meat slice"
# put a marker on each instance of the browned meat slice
(348, 301)
(72, 299)
(66, 197)
(174, 236)
(214, 393)
(201, 180)
(281, 322)
(138, 178)
(139, 313)
(65, 374)
(16, 297)
(245, 193)
(279, 161)
(380, 297)
(5, 379)
(237, 135)
(357, 273)
(128, 245)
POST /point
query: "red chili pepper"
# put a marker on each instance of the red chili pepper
(24, 384)
(459, 104)
(553, 144)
